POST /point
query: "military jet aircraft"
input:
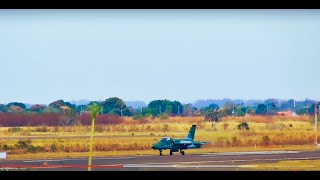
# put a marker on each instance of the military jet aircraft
(175, 145)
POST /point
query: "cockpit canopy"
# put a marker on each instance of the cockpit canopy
(165, 139)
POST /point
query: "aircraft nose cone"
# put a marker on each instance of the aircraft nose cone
(153, 147)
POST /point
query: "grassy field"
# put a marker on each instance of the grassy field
(136, 137)
(296, 165)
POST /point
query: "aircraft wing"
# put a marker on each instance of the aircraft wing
(186, 142)
(203, 142)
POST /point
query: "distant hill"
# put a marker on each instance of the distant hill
(80, 102)
(136, 104)
(222, 102)
(28, 106)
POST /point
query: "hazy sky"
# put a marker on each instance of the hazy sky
(183, 55)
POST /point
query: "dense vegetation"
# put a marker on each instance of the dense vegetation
(61, 113)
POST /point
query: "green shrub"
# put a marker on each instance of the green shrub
(14, 129)
(21, 144)
(42, 129)
(148, 115)
(164, 116)
(5, 147)
(138, 117)
(53, 147)
(32, 149)
(166, 127)
(265, 140)
(243, 125)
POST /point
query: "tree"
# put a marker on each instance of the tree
(95, 111)
(109, 104)
(16, 109)
(241, 111)
(273, 106)
(311, 109)
(133, 111)
(228, 109)
(120, 104)
(52, 110)
(187, 110)
(21, 105)
(177, 108)
(213, 106)
(69, 115)
(59, 103)
(81, 108)
(261, 109)
(287, 105)
(158, 107)
(147, 112)
(94, 102)
(272, 102)
(213, 115)
(37, 108)
(3, 108)
(250, 110)
(302, 111)
(115, 105)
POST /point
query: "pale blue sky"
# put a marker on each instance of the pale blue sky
(183, 55)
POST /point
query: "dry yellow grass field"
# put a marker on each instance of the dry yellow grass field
(296, 165)
(136, 137)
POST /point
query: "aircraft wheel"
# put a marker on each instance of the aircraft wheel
(170, 152)
(182, 152)
(160, 153)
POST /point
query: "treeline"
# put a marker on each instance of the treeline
(65, 113)
(114, 105)
(156, 108)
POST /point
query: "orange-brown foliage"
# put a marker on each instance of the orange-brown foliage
(85, 119)
(19, 119)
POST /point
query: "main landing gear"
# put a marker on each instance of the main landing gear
(171, 152)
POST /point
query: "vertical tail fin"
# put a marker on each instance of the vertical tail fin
(191, 132)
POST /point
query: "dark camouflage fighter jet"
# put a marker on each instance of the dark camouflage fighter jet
(176, 145)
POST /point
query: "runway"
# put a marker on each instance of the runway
(232, 161)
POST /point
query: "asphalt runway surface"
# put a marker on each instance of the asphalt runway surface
(231, 161)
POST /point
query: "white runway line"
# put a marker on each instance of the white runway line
(235, 160)
(181, 166)
(197, 164)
